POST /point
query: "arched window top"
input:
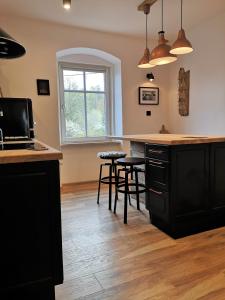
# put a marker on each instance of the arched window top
(89, 51)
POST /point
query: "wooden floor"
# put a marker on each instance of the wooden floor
(105, 259)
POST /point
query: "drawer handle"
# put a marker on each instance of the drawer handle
(155, 162)
(156, 151)
(155, 192)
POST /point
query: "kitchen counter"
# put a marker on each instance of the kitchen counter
(184, 178)
(27, 155)
(31, 218)
(172, 139)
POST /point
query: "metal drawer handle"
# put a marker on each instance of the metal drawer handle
(156, 151)
(155, 192)
(155, 162)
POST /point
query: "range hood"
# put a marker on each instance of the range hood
(10, 48)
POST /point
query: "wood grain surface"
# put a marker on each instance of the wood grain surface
(146, 2)
(107, 260)
(171, 139)
(23, 155)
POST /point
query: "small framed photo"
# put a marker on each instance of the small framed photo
(43, 88)
(148, 96)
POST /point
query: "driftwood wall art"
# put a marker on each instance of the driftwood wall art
(184, 87)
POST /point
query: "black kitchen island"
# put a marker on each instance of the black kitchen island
(31, 244)
(185, 179)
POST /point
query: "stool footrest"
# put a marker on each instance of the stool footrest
(121, 188)
(114, 180)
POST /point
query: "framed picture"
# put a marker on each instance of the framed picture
(148, 95)
(43, 87)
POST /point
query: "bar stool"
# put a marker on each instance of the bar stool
(129, 167)
(112, 178)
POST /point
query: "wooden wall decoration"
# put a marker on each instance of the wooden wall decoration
(184, 87)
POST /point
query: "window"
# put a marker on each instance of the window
(85, 102)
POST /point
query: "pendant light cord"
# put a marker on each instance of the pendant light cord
(181, 14)
(146, 32)
(162, 17)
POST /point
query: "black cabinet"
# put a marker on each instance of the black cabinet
(31, 245)
(217, 166)
(186, 187)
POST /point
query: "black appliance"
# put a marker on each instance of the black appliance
(16, 119)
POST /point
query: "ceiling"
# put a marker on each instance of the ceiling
(118, 16)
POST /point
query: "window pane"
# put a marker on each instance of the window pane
(96, 115)
(95, 81)
(73, 80)
(74, 115)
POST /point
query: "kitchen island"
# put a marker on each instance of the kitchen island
(185, 180)
(31, 243)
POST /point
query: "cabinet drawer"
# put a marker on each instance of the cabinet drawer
(157, 174)
(157, 152)
(157, 202)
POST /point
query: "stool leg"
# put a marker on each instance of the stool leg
(137, 189)
(110, 187)
(125, 198)
(99, 183)
(129, 198)
(128, 188)
(116, 181)
(116, 191)
(131, 172)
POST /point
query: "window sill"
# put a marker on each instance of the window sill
(65, 144)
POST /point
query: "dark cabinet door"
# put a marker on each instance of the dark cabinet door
(157, 174)
(157, 199)
(217, 163)
(157, 202)
(30, 224)
(190, 180)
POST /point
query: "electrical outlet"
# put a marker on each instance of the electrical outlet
(148, 113)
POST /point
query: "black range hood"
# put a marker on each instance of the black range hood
(10, 48)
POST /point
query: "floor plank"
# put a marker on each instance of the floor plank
(107, 260)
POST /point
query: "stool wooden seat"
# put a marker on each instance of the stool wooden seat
(129, 165)
(111, 179)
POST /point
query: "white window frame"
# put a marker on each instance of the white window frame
(108, 102)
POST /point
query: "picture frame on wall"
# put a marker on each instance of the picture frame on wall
(148, 96)
(43, 88)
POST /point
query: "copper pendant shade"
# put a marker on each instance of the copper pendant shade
(161, 54)
(144, 62)
(10, 48)
(182, 44)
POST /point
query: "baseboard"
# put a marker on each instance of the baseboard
(75, 186)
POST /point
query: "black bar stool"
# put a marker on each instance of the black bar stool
(112, 178)
(129, 167)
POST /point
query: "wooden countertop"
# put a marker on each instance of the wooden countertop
(25, 155)
(171, 139)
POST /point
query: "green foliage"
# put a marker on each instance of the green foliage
(78, 123)
(75, 115)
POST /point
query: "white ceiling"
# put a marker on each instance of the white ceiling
(118, 16)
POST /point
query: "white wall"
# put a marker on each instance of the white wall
(42, 40)
(207, 85)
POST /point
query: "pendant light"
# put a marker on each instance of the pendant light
(161, 54)
(10, 48)
(181, 45)
(67, 4)
(144, 62)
